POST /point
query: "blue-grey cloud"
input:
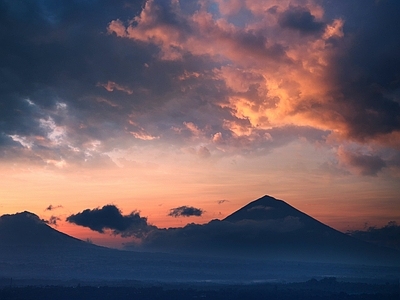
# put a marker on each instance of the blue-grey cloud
(363, 164)
(185, 211)
(56, 54)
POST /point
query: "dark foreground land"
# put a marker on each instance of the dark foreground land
(327, 289)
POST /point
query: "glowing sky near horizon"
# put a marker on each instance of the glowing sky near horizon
(153, 105)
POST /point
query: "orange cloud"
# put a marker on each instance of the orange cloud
(281, 66)
(111, 86)
(288, 70)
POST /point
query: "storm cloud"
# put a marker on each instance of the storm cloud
(109, 217)
(185, 211)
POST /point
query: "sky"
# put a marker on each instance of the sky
(172, 112)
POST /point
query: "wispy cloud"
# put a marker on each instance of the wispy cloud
(52, 207)
(53, 220)
(222, 201)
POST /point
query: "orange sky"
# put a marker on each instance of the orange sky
(186, 103)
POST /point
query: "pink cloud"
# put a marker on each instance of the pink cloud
(278, 66)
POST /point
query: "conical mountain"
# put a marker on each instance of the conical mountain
(293, 233)
(269, 209)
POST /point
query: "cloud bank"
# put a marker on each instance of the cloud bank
(387, 236)
(219, 236)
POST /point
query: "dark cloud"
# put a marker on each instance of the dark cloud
(52, 207)
(110, 217)
(301, 19)
(387, 236)
(58, 53)
(185, 211)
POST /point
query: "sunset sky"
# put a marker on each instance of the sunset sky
(203, 104)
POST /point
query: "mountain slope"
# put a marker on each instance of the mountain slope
(25, 239)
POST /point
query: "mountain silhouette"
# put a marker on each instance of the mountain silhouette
(258, 241)
(30, 248)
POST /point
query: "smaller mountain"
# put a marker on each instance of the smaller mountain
(26, 229)
(26, 239)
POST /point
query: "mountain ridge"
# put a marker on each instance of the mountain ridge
(239, 249)
(266, 228)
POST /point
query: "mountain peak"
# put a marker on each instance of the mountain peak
(24, 216)
(265, 200)
(264, 208)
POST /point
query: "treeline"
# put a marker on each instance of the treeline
(252, 292)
